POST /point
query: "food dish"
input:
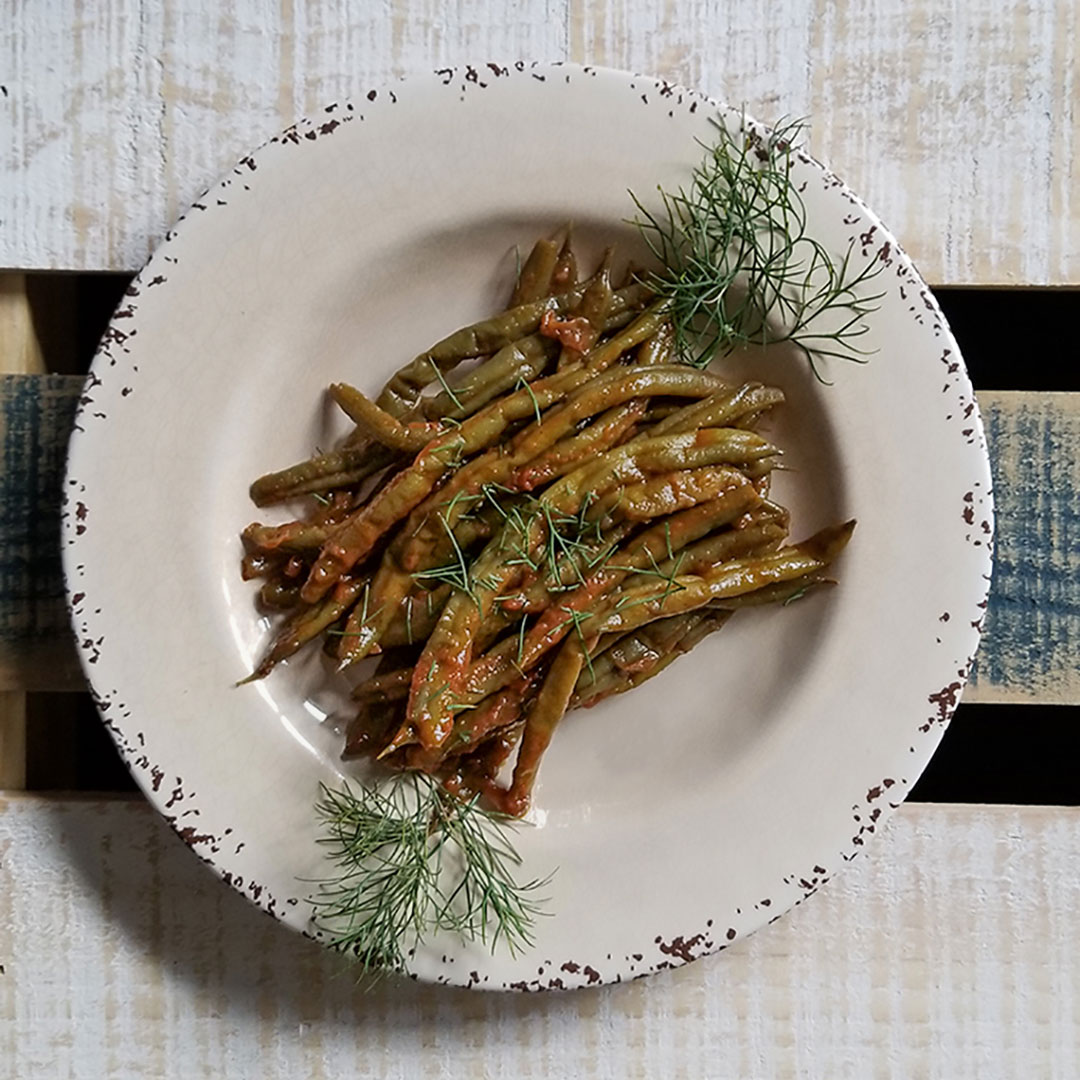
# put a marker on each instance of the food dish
(541, 511)
(738, 815)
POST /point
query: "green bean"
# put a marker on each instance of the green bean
(579, 330)
(385, 686)
(566, 268)
(658, 349)
(783, 592)
(607, 390)
(638, 459)
(722, 409)
(444, 662)
(647, 526)
(341, 468)
(369, 621)
(678, 531)
(307, 624)
(371, 726)
(554, 623)
(608, 429)
(641, 329)
(418, 547)
(447, 655)
(694, 634)
(475, 774)
(673, 491)
(533, 597)
(402, 392)
(416, 618)
(448, 652)
(639, 656)
(293, 538)
(534, 281)
(739, 576)
(760, 537)
(544, 716)
(381, 426)
(633, 651)
(597, 394)
(472, 727)
(256, 564)
(279, 595)
(618, 420)
(393, 584)
(520, 361)
(357, 536)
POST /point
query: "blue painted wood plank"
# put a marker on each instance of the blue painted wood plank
(1030, 650)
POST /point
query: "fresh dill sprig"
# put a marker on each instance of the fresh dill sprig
(740, 267)
(412, 860)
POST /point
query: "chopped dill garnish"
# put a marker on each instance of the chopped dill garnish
(522, 384)
(446, 387)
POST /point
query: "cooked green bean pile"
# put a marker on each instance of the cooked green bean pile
(544, 509)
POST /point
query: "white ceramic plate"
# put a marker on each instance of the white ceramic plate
(679, 817)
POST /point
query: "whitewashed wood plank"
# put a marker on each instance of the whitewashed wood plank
(115, 114)
(946, 951)
(957, 122)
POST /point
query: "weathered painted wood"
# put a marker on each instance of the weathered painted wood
(944, 952)
(957, 122)
(20, 351)
(1032, 628)
(1030, 651)
(36, 650)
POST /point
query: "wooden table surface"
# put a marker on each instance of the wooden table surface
(947, 951)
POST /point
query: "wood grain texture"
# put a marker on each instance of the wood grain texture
(958, 123)
(944, 952)
(1030, 651)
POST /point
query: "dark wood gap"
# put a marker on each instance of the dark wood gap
(1015, 339)
(1023, 754)
(68, 748)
